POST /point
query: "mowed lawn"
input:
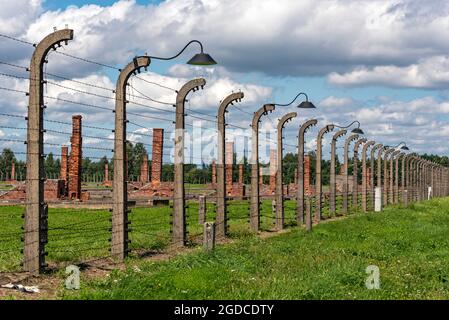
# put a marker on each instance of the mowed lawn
(410, 247)
(77, 235)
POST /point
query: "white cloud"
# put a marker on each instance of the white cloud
(336, 102)
(15, 16)
(428, 73)
(277, 37)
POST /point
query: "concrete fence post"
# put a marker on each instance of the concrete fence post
(309, 214)
(119, 244)
(392, 176)
(403, 174)
(221, 218)
(35, 235)
(365, 173)
(318, 179)
(355, 172)
(255, 202)
(348, 140)
(333, 180)
(378, 147)
(279, 169)
(300, 192)
(179, 231)
(386, 177)
(396, 179)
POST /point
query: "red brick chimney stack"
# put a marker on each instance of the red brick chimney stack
(63, 173)
(75, 162)
(144, 169)
(158, 147)
(106, 173)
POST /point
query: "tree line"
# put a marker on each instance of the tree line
(192, 173)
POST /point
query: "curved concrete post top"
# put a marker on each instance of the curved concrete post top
(287, 117)
(50, 41)
(358, 143)
(192, 85)
(125, 73)
(230, 99)
(324, 130)
(349, 139)
(366, 146)
(338, 134)
(306, 125)
(259, 113)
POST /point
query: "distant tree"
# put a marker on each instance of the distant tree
(6, 159)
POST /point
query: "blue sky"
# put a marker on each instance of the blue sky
(62, 4)
(385, 66)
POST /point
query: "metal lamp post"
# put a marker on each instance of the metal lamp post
(255, 198)
(120, 207)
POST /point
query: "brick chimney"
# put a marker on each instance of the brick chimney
(144, 169)
(75, 163)
(106, 172)
(63, 173)
(158, 147)
(13, 170)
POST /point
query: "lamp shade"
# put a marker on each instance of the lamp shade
(357, 130)
(202, 59)
(306, 105)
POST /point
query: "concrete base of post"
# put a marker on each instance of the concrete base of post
(309, 214)
(209, 236)
(378, 199)
(429, 193)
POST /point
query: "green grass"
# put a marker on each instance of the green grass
(76, 235)
(410, 246)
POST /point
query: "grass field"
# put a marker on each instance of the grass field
(410, 246)
(78, 234)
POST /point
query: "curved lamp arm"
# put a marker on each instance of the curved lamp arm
(341, 127)
(287, 104)
(179, 53)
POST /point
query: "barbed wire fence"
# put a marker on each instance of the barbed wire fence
(80, 229)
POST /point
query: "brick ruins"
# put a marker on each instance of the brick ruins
(155, 188)
(150, 184)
